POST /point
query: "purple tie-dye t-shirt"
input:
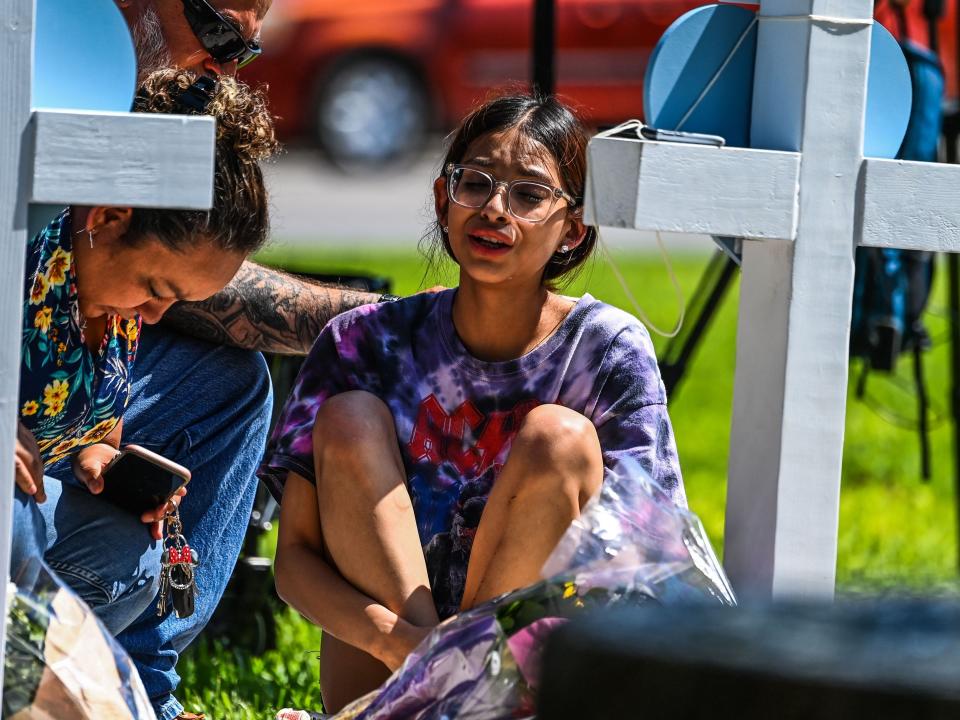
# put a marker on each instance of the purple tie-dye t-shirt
(456, 415)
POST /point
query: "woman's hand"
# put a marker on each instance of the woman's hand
(88, 465)
(155, 517)
(28, 467)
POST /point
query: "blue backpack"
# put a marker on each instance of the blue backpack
(891, 287)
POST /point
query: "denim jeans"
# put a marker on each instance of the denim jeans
(206, 407)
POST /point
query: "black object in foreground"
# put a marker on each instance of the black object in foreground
(851, 661)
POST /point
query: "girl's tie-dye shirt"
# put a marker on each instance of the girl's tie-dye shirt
(456, 415)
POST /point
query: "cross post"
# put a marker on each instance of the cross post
(803, 198)
(58, 158)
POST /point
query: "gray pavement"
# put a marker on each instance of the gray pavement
(311, 202)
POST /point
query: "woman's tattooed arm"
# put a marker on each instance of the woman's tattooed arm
(265, 309)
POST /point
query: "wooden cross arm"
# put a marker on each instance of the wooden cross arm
(675, 187)
(909, 205)
(121, 159)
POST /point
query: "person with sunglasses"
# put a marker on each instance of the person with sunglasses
(435, 449)
(216, 37)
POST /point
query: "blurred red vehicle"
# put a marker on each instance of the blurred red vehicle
(366, 79)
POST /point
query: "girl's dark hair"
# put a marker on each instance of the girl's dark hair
(549, 122)
(239, 219)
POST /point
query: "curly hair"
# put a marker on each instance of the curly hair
(239, 218)
(553, 125)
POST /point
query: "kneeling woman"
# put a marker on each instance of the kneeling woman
(435, 449)
(93, 276)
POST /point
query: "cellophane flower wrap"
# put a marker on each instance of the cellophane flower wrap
(60, 661)
(630, 546)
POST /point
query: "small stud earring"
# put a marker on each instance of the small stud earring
(564, 249)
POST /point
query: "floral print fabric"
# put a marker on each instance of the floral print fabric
(456, 416)
(69, 396)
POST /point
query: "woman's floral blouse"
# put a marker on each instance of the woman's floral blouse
(69, 396)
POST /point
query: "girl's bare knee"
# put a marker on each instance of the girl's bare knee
(355, 446)
(563, 445)
(350, 419)
(555, 433)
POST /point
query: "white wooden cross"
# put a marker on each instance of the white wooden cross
(62, 158)
(804, 203)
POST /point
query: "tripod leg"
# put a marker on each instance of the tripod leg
(674, 364)
(922, 401)
(953, 265)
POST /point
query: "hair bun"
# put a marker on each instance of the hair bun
(244, 124)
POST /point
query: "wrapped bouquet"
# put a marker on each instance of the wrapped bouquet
(60, 661)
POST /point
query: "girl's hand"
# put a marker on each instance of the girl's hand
(27, 465)
(88, 465)
(403, 640)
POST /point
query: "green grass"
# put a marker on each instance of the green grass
(896, 531)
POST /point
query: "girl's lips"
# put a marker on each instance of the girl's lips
(492, 236)
(482, 245)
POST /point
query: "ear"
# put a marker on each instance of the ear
(575, 231)
(131, 11)
(441, 201)
(109, 223)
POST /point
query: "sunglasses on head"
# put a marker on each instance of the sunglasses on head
(219, 35)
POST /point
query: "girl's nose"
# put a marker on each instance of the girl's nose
(496, 206)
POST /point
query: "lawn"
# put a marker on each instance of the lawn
(897, 532)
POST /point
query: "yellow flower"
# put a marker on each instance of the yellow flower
(43, 319)
(54, 407)
(99, 431)
(55, 396)
(569, 590)
(30, 407)
(133, 332)
(57, 266)
(39, 290)
(63, 448)
(62, 348)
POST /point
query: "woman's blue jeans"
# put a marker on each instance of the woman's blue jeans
(206, 407)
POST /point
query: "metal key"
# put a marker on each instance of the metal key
(164, 584)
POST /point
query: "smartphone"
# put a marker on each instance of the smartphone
(138, 480)
(650, 133)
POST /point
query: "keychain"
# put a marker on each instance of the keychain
(178, 565)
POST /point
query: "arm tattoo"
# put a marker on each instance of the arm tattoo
(265, 309)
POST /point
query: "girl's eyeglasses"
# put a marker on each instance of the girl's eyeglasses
(526, 200)
(218, 35)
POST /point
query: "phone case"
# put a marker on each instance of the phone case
(139, 492)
